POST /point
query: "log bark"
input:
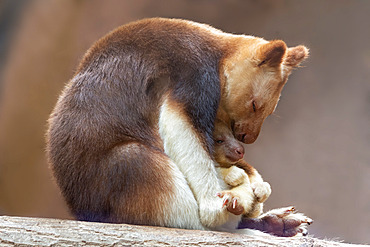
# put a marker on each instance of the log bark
(25, 231)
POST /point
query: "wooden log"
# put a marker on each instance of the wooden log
(25, 231)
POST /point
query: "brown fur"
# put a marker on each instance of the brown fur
(228, 151)
(108, 144)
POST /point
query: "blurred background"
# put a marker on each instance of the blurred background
(314, 151)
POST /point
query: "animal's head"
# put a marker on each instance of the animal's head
(253, 78)
(227, 150)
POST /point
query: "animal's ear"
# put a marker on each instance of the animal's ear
(272, 53)
(295, 56)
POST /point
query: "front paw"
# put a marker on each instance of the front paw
(234, 176)
(262, 191)
(231, 201)
(285, 222)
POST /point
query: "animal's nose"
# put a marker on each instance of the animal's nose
(248, 138)
(240, 151)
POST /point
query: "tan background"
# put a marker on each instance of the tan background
(315, 150)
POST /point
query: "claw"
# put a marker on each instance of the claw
(304, 231)
(309, 221)
(226, 201)
(289, 210)
(234, 203)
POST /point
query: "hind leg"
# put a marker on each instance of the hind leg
(283, 222)
(147, 188)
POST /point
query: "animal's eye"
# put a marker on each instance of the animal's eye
(254, 106)
(262, 63)
(219, 141)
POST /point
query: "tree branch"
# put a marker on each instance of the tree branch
(25, 231)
